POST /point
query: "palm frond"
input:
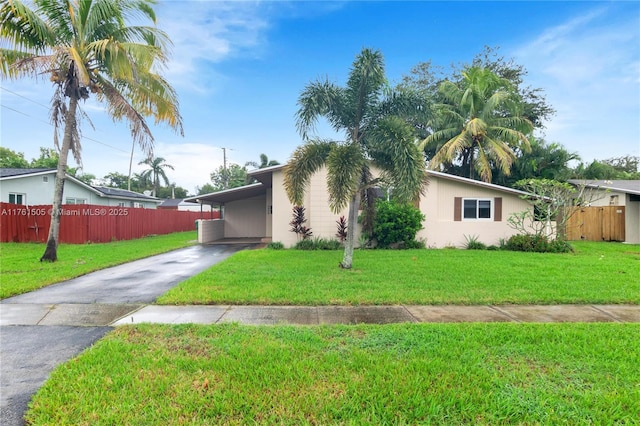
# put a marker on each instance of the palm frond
(305, 161)
(318, 99)
(399, 158)
(344, 167)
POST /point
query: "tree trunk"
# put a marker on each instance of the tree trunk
(51, 252)
(352, 222)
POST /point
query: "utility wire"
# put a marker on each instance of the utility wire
(83, 137)
(24, 97)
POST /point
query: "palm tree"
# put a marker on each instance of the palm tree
(88, 48)
(155, 171)
(478, 124)
(373, 137)
(264, 162)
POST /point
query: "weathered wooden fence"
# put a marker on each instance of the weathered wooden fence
(606, 223)
(83, 223)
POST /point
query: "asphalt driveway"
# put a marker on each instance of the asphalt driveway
(30, 353)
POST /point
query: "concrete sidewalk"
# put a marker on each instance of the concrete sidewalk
(96, 315)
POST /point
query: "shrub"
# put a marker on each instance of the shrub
(318, 244)
(473, 243)
(396, 224)
(537, 243)
(342, 229)
(275, 245)
(297, 223)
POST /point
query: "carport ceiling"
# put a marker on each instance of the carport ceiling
(232, 194)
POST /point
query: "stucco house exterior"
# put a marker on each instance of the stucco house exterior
(35, 187)
(455, 208)
(623, 197)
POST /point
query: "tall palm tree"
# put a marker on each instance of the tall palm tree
(478, 124)
(375, 135)
(88, 47)
(155, 172)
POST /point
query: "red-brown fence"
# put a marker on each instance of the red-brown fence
(83, 223)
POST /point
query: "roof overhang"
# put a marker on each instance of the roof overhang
(228, 195)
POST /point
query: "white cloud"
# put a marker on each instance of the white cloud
(589, 69)
(208, 32)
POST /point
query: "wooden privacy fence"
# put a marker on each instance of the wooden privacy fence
(597, 224)
(82, 223)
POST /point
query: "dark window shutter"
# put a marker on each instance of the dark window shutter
(457, 209)
(497, 209)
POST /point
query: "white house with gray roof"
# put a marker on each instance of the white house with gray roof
(32, 187)
(456, 208)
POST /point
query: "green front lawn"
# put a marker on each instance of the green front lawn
(393, 374)
(595, 273)
(21, 271)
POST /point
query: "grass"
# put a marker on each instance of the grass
(21, 271)
(393, 374)
(595, 273)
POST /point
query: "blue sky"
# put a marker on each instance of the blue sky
(239, 68)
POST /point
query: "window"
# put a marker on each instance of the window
(476, 209)
(72, 200)
(15, 198)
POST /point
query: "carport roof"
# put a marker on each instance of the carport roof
(233, 194)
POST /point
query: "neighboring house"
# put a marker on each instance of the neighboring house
(181, 205)
(456, 208)
(36, 186)
(614, 215)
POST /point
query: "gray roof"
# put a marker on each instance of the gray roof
(5, 172)
(117, 192)
(626, 186)
(171, 202)
(101, 190)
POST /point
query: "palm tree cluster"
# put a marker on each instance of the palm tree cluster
(89, 48)
(478, 123)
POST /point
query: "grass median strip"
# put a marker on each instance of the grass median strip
(367, 374)
(595, 273)
(22, 272)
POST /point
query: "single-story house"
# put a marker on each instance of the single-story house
(181, 205)
(456, 208)
(614, 214)
(36, 186)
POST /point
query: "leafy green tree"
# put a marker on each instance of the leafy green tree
(617, 168)
(232, 176)
(427, 77)
(375, 135)
(115, 180)
(87, 178)
(478, 125)
(544, 161)
(207, 188)
(48, 159)
(172, 191)
(89, 48)
(12, 160)
(156, 172)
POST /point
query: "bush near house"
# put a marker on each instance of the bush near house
(395, 225)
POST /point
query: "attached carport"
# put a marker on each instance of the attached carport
(244, 214)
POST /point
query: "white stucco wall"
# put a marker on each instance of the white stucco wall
(440, 228)
(245, 218)
(320, 218)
